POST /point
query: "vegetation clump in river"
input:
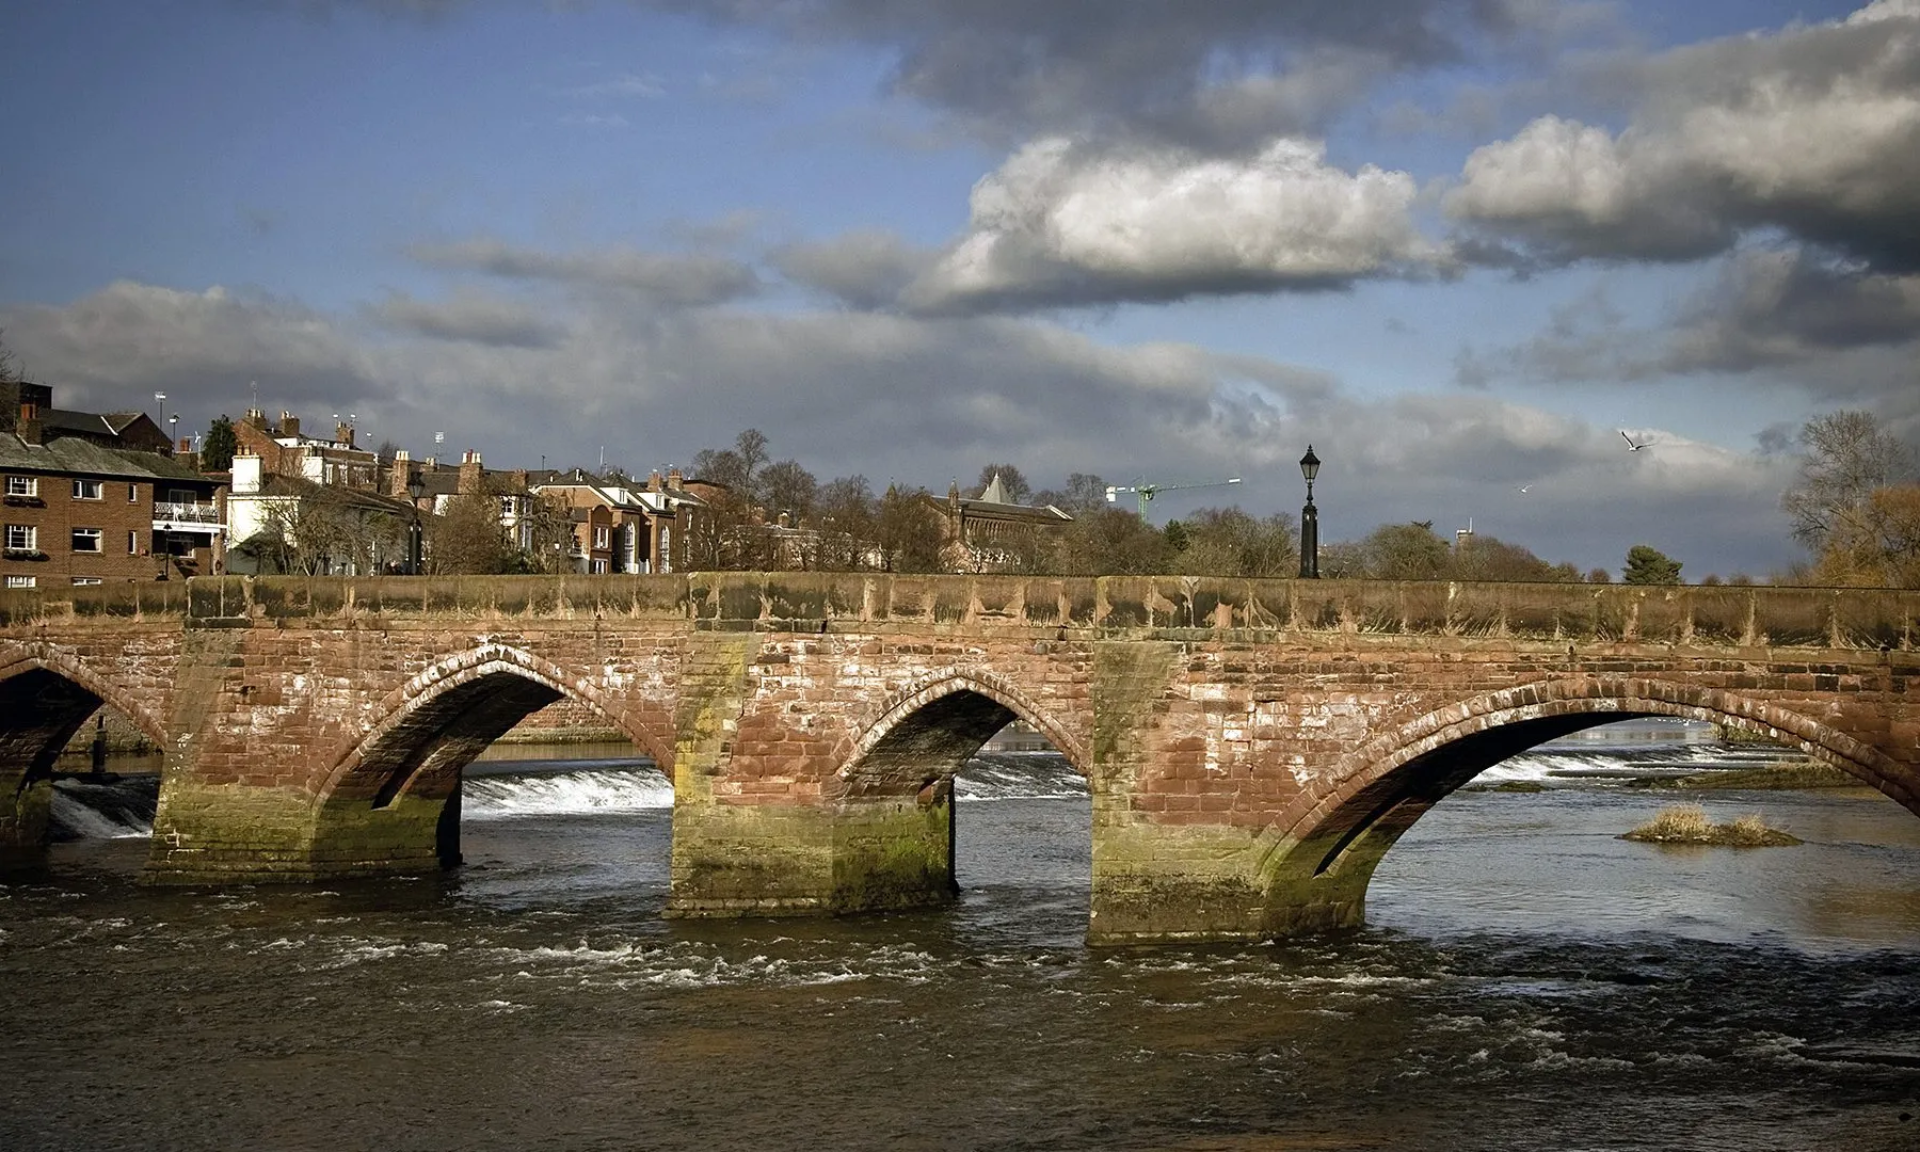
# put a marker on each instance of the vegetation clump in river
(1688, 824)
(1784, 774)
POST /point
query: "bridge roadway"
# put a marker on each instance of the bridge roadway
(1253, 747)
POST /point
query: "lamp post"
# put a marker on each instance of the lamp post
(414, 489)
(1309, 521)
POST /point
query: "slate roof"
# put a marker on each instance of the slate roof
(76, 456)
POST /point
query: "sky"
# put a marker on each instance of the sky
(1465, 249)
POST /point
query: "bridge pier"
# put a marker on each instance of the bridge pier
(25, 808)
(867, 855)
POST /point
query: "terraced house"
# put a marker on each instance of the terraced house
(96, 498)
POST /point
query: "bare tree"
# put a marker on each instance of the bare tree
(908, 532)
(1230, 542)
(1112, 541)
(789, 488)
(551, 542)
(325, 532)
(468, 539)
(1845, 456)
(847, 514)
(1405, 552)
(1884, 550)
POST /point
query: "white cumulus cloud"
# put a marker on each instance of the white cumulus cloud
(1065, 224)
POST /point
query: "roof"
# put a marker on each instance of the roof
(445, 481)
(612, 491)
(274, 484)
(71, 455)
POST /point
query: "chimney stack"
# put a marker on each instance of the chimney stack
(471, 474)
(343, 434)
(289, 424)
(399, 474)
(674, 479)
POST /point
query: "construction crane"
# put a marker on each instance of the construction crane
(1146, 492)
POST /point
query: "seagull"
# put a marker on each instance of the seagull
(1523, 489)
(1631, 446)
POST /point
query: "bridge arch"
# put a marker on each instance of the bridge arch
(446, 714)
(45, 695)
(1388, 782)
(22, 659)
(929, 729)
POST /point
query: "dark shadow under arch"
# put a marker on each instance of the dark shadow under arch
(446, 715)
(44, 699)
(928, 731)
(391, 801)
(1397, 777)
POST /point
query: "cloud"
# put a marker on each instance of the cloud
(628, 86)
(866, 269)
(469, 319)
(1788, 306)
(1790, 317)
(594, 120)
(918, 401)
(1227, 74)
(684, 281)
(129, 339)
(1813, 131)
(1063, 224)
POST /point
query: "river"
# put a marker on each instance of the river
(1526, 980)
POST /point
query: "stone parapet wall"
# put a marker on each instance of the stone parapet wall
(1173, 607)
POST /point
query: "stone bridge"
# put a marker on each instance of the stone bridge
(1253, 747)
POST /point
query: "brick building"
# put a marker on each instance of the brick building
(990, 533)
(285, 450)
(619, 526)
(80, 510)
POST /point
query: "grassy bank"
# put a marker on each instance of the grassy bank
(1783, 775)
(564, 736)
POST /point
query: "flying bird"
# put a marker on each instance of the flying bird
(1631, 446)
(1523, 489)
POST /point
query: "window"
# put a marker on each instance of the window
(86, 580)
(86, 539)
(24, 537)
(21, 581)
(133, 543)
(601, 536)
(599, 567)
(88, 490)
(133, 493)
(23, 486)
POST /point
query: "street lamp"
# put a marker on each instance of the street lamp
(414, 488)
(173, 433)
(160, 399)
(1309, 521)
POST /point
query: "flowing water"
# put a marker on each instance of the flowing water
(1526, 980)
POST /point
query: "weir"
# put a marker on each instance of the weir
(1252, 748)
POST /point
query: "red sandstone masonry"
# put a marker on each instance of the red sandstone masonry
(1285, 703)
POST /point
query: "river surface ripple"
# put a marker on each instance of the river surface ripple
(1526, 980)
